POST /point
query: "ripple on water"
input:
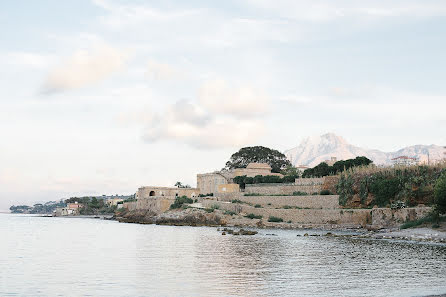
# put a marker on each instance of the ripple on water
(72, 257)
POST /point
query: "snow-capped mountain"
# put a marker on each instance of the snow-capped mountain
(316, 149)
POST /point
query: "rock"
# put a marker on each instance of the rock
(223, 233)
(247, 232)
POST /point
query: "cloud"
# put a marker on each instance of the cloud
(85, 68)
(189, 123)
(317, 11)
(27, 59)
(219, 98)
(160, 71)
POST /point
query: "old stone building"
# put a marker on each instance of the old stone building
(210, 183)
(149, 191)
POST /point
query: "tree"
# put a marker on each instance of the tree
(258, 154)
(178, 184)
(440, 194)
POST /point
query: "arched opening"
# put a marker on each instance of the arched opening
(152, 193)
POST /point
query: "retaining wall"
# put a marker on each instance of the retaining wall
(392, 217)
(156, 204)
(281, 189)
(319, 201)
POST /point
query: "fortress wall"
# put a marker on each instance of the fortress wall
(155, 204)
(380, 217)
(392, 217)
(144, 192)
(281, 189)
(309, 181)
(302, 216)
(319, 201)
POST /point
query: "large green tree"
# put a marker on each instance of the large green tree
(440, 194)
(258, 154)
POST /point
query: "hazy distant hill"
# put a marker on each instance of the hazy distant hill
(315, 149)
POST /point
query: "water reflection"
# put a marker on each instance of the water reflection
(72, 257)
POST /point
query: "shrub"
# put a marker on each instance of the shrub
(179, 201)
(209, 210)
(252, 194)
(253, 216)
(299, 193)
(229, 212)
(440, 194)
(236, 201)
(257, 206)
(430, 218)
(275, 219)
(289, 222)
(325, 192)
(286, 207)
(215, 206)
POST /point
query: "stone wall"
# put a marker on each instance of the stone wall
(228, 188)
(281, 189)
(309, 181)
(357, 217)
(387, 217)
(156, 204)
(146, 192)
(319, 201)
(208, 182)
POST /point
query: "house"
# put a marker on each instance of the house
(404, 161)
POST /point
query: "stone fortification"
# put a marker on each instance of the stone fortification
(359, 217)
(281, 189)
(146, 192)
(309, 181)
(318, 201)
(156, 205)
(378, 217)
(209, 182)
(390, 217)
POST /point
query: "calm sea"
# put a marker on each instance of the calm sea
(90, 257)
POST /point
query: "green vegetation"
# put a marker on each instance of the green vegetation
(440, 194)
(258, 154)
(179, 201)
(180, 185)
(382, 186)
(430, 218)
(275, 219)
(323, 169)
(287, 207)
(258, 206)
(229, 212)
(252, 194)
(253, 216)
(299, 193)
(215, 206)
(289, 222)
(206, 195)
(236, 201)
(325, 192)
(263, 179)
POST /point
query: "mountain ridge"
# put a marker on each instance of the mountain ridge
(316, 149)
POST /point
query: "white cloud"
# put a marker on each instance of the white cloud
(219, 98)
(188, 123)
(318, 11)
(28, 59)
(160, 71)
(84, 68)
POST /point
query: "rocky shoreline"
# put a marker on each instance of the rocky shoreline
(217, 218)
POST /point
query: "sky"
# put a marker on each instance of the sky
(104, 96)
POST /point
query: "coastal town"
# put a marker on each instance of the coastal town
(253, 194)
